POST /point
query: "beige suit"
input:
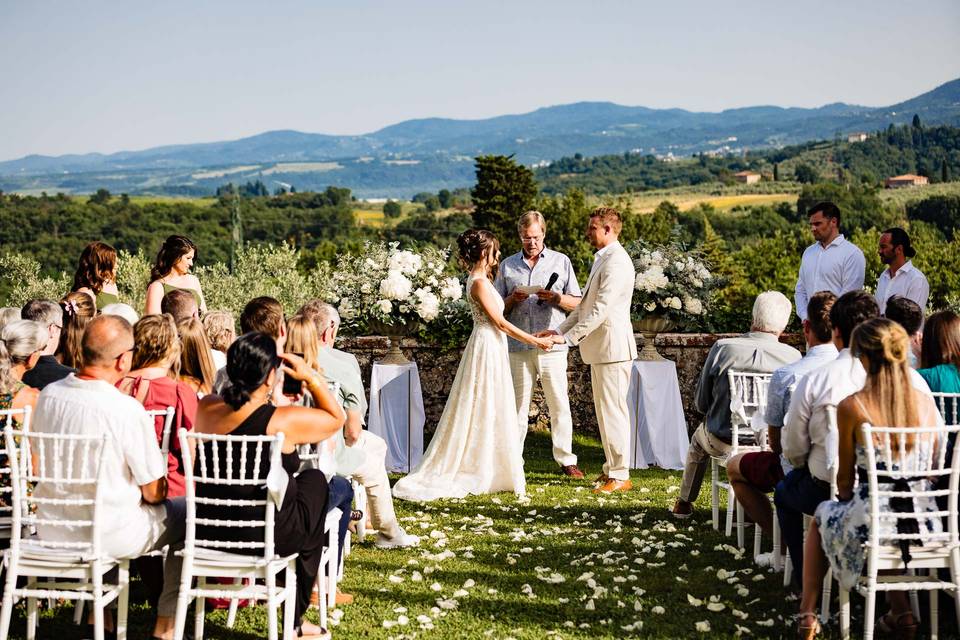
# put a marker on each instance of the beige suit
(600, 326)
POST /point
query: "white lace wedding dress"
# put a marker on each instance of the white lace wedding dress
(476, 447)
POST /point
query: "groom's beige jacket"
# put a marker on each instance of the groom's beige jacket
(600, 324)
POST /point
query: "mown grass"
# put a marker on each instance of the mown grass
(563, 564)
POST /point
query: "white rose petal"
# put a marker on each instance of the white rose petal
(703, 626)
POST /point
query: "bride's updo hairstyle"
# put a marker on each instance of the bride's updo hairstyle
(883, 347)
(250, 359)
(475, 245)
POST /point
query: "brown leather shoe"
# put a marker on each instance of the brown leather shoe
(572, 471)
(612, 486)
(601, 480)
(682, 509)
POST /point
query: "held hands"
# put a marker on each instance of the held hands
(552, 335)
(543, 343)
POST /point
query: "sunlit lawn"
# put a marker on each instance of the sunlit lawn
(565, 564)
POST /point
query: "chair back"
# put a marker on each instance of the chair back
(949, 406)
(8, 418)
(231, 461)
(168, 415)
(65, 473)
(889, 460)
(748, 398)
(314, 455)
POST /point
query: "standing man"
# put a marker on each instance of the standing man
(900, 278)
(537, 266)
(600, 326)
(832, 263)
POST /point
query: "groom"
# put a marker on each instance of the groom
(600, 326)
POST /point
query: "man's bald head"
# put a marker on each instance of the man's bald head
(105, 339)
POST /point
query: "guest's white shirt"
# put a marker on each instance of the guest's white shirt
(808, 438)
(908, 282)
(219, 359)
(131, 458)
(838, 268)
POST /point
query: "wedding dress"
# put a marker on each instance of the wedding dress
(476, 447)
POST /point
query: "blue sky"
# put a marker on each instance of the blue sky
(103, 76)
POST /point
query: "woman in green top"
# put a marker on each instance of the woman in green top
(97, 274)
(940, 352)
(172, 271)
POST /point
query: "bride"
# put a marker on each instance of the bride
(476, 447)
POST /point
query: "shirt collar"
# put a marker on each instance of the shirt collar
(602, 252)
(839, 240)
(761, 335)
(906, 268)
(845, 353)
(823, 349)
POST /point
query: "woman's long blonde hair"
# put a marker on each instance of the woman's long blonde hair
(302, 339)
(196, 363)
(883, 346)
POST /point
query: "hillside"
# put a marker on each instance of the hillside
(429, 154)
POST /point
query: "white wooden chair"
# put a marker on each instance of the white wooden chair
(949, 406)
(218, 558)
(73, 569)
(932, 551)
(748, 395)
(8, 417)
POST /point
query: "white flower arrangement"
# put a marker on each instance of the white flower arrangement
(395, 286)
(671, 282)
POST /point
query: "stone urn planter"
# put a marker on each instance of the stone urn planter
(649, 327)
(394, 333)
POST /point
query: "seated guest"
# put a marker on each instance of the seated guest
(136, 516)
(343, 368)
(196, 364)
(940, 353)
(8, 314)
(96, 274)
(759, 351)
(263, 314)
(756, 473)
(121, 309)
(221, 332)
(21, 345)
(49, 314)
(253, 369)
(156, 357)
(180, 304)
(78, 310)
(909, 315)
(841, 529)
(171, 272)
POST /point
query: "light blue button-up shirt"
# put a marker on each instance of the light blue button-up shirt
(528, 315)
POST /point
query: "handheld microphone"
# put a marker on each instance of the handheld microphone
(552, 281)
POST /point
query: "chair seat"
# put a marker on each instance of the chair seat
(229, 560)
(35, 553)
(927, 556)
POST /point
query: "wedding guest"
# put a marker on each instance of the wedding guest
(96, 274)
(841, 529)
(758, 351)
(21, 344)
(180, 304)
(263, 314)
(900, 278)
(196, 364)
(909, 315)
(537, 266)
(832, 263)
(49, 314)
(753, 475)
(253, 367)
(171, 271)
(221, 332)
(121, 309)
(78, 310)
(8, 314)
(135, 514)
(940, 353)
(370, 469)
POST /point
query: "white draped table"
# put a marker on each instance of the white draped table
(397, 413)
(658, 429)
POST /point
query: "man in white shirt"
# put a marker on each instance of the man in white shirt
(136, 516)
(900, 278)
(832, 263)
(809, 437)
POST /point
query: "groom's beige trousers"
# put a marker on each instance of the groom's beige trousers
(525, 367)
(611, 382)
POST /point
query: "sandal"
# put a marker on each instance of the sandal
(323, 635)
(902, 626)
(806, 630)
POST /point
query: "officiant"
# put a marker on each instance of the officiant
(539, 287)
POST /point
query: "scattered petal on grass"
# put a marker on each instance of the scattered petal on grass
(703, 626)
(436, 586)
(716, 606)
(765, 623)
(658, 610)
(696, 602)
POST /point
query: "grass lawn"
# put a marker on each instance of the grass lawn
(563, 564)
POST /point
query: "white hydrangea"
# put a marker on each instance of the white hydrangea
(651, 280)
(451, 289)
(679, 266)
(385, 306)
(692, 305)
(405, 262)
(395, 286)
(346, 310)
(428, 305)
(650, 306)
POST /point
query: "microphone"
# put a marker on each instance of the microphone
(552, 281)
